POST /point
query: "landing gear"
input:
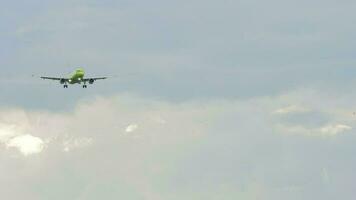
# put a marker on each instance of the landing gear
(65, 86)
(85, 86)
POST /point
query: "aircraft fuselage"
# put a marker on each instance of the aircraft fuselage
(77, 77)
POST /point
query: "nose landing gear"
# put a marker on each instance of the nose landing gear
(65, 86)
(85, 86)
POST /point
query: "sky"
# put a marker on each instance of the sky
(243, 99)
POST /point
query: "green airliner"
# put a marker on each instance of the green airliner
(76, 77)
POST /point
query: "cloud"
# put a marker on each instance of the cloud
(13, 136)
(334, 129)
(331, 130)
(317, 117)
(90, 137)
(70, 144)
(291, 109)
(131, 128)
(6, 132)
(27, 144)
(218, 148)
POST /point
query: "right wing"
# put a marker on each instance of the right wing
(95, 79)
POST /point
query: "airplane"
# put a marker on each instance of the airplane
(77, 77)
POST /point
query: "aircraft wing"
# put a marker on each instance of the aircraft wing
(94, 79)
(53, 78)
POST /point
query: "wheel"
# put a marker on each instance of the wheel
(65, 86)
(84, 86)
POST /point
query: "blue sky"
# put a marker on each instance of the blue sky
(211, 100)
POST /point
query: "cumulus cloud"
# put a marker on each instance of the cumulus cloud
(13, 136)
(242, 152)
(27, 144)
(131, 128)
(17, 128)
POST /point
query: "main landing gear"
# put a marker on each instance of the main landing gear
(66, 86)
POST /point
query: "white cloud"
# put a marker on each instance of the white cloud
(312, 114)
(12, 136)
(131, 128)
(291, 109)
(334, 129)
(190, 135)
(330, 130)
(7, 132)
(27, 144)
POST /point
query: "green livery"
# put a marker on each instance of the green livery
(77, 77)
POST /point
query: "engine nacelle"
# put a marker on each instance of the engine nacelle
(62, 81)
(91, 81)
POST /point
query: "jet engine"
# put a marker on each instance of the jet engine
(62, 81)
(91, 81)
